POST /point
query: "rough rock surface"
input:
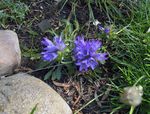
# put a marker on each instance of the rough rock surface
(10, 55)
(20, 93)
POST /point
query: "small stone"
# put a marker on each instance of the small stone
(20, 93)
(10, 54)
(44, 25)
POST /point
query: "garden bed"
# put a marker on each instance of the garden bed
(127, 45)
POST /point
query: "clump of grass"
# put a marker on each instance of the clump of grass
(11, 11)
(131, 55)
(114, 10)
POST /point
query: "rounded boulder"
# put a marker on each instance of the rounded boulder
(23, 94)
(10, 54)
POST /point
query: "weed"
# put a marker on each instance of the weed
(11, 11)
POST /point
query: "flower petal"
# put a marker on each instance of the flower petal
(82, 65)
(92, 63)
(59, 43)
(49, 56)
(80, 41)
(47, 42)
(100, 27)
(101, 57)
(95, 44)
(107, 30)
(51, 49)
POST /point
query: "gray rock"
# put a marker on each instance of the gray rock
(44, 25)
(20, 93)
(10, 54)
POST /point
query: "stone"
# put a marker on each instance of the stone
(44, 25)
(10, 54)
(20, 93)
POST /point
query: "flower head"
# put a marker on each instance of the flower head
(105, 30)
(50, 51)
(86, 54)
(132, 95)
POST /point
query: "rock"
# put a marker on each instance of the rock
(44, 25)
(10, 54)
(20, 93)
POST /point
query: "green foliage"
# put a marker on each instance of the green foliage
(130, 53)
(11, 11)
(64, 63)
(115, 10)
(32, 51)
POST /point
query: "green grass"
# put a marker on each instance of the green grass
(131, 50)
(114, 10)
(12, 12)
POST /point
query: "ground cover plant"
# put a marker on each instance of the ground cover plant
(12, 11)
(98, 50)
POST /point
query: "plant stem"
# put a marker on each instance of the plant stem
(114, 110)
(131, 110)
(138, 80)
(87, 104)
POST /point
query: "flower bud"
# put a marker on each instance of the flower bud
(96, 22)
(132, 95)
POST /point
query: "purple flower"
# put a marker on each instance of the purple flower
(59, 43)
(107, 30)
(86, 53)
(50, 51)
(100, 27)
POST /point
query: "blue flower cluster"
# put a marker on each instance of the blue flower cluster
(51, 49)
(86, 52)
